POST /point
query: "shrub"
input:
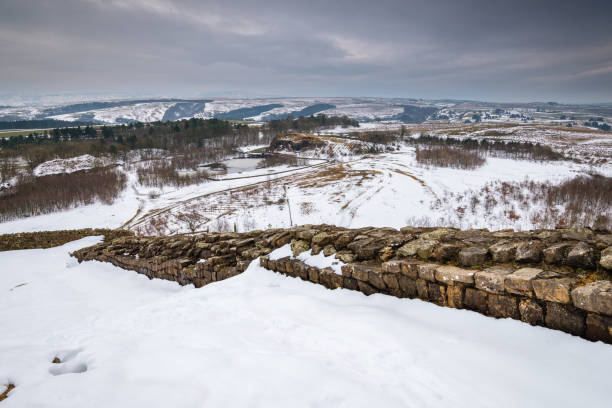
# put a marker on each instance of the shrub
(444, 156)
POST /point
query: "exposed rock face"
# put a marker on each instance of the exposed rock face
(537, 277)
(297, 142)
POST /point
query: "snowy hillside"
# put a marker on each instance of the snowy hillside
(362, 109)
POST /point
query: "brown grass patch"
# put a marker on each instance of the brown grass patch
(412, 176)
(334, 174)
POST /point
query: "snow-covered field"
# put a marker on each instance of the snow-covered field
(389, 189)
(261, 339)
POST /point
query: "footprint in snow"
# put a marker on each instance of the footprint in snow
(65, 363)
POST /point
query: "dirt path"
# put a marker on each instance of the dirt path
(157, 212)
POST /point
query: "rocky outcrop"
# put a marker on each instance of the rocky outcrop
(556, 279)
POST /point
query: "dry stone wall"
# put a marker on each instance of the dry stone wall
(559, 279)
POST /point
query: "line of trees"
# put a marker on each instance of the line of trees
(512, 149)
(47, 194)
(309, 123)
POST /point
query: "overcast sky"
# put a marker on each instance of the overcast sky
(509, 50)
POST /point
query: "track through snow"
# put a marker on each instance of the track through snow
(265, 340)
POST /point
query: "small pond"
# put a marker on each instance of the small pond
(243, 164)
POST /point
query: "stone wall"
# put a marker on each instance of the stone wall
(559, 279)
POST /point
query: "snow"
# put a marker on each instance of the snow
(321, 261)
(281, 252)
(70, 165)
(261, 339)
(389, 189)
(97, 215)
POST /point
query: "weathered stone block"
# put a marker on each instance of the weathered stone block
(337, 281)
(410, 269)
(345, 256)
(531, 312)
(422, 289)
(365, 249)
(437, 293)
(565, 318)
(362, 272)
(578, 234)
(441, 234)
(407, 286)
(391, 281)
(391, 267)
(594, 297)
(581, 256)
(446, 252)
(289, 267)
(347, 270)
(298, 246)
(307, 234)
(502, 306)
(454, 296)
(386, 253)
(472, 256)
(322, 238)
(342, 240)
(423, 248)
(313, 274)
(350, 283)
(530, 251)
(452, 275)
(365, 288)
(325, 278)
(329, 250)
(556, 254)
(375, 279)
(475, 300)
(554, 290)
(599, 328)
(427, 271)
(301, 270)
(503, 251)
(492, 279)
(521, 281)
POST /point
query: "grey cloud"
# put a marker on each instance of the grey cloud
(495, 50)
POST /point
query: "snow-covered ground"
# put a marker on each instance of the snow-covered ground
(389, 189)
(261, 339)
(345, 189)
